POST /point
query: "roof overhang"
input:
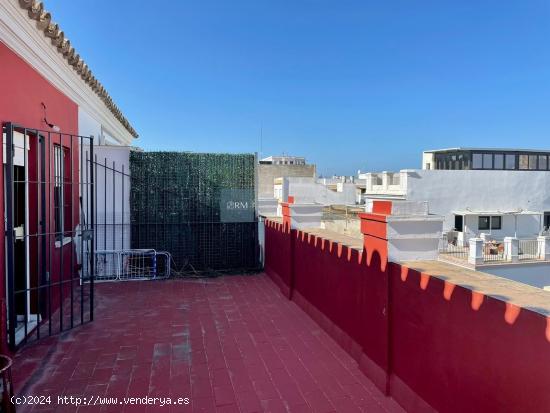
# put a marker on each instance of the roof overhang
(27, 29)
(497, 212)
(503, 150)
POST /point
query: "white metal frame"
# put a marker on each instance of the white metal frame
(119, 269)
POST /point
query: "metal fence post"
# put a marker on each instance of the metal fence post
(12, 315)
(92, 223)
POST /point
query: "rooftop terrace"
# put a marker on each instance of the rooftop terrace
(230, 344)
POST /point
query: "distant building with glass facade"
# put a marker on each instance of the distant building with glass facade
(479, 158)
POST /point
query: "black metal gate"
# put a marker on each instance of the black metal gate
(49, 217)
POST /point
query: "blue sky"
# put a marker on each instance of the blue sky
(347, 84)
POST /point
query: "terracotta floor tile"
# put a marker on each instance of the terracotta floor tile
(230, 344)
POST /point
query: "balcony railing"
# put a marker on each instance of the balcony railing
(494, 251)
(450, 249)
(528, 249)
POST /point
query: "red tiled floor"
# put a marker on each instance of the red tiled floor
(230, 344)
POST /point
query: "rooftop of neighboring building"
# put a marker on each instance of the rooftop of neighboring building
(444, 150)
(283, 160)
(484, 158)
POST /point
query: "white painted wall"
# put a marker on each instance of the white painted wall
(307, 190)
(88, 126)
(108, 236)
(106, 150)
(305, 215)
(413, 237)
(480, 190)
(428, 158)
(267, 207)
(528, 226)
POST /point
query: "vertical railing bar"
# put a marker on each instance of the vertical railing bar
(51, 156)
(82, 228)
(38, 222)
(105, 205)
(94, 191)
(123, 218)
(25, 241)
(42, 191)
(61, 214)
(92, 273)
(71, 229)
(113, 229)
(12, 312)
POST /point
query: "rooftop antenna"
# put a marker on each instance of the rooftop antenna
(261, 140)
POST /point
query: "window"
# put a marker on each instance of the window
(547, 220)
(532, 161)
(459, 223)
(477, 161)
(61, 192)
(483, 222)
(543, 162)
(510, 161)
(453, 163)
(523, 162)
(466, 161)
(499, 161)
(487, 161)
(496, 222)
(486, 222)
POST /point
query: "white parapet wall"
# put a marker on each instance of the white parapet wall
(305, 215)
(267, 207)
(307, 190)
(413, 234)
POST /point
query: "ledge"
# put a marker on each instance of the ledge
(342, 239)
(519, 294)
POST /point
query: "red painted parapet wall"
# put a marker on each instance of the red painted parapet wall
(279, 254)
(430, 344)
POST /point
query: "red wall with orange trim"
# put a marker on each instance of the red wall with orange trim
(461, 351)
(436, 346)
(346, 296)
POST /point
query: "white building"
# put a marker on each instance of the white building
(309, 190)
(486, 158)
(283, 160)
(497, 192)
